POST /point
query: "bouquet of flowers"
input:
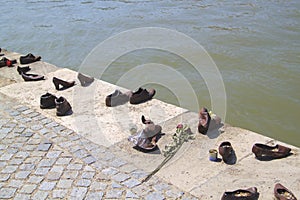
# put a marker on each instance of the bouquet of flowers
(183, 134)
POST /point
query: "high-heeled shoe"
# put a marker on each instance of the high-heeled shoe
(64, 84)
(23, 69)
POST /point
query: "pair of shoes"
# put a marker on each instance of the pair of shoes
(245, 194)
(31, 77)
(29, 58)
(23, 69)
(62, 106)
(6, 62)
(204, 120)
(227, 152)
(65, 84)
(265, 152)
(137, 97)
(282, 193)
(85, 80)
(146, 139)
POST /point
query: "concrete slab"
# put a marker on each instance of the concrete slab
(191, 170)
(250, 172)
(91, 118)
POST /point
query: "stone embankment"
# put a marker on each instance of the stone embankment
(87, 155)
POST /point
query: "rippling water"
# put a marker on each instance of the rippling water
(255, 45)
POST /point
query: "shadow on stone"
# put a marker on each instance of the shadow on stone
(155, 150)
(213, 131)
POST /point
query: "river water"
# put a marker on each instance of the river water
(255, 45)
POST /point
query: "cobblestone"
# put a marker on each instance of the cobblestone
(63, 161)
(115, 185)
(41, 159)
(120, 177)
(9, 169)
(53, 154)
(94, 195)
(28, 189)
(131, 183)
(83, 183)
(47, 185)
(89, 160)
(79, 192)
(22, 174)
(27, 166)
(35, 179)
(114, 194)
(81, 153)
(60, 194)
(131, 195)
(4, 177)
(64, 183)
(88, 175)
(16, 183)
(22, 197)
(46, 162)
(36, 127)
(6, 157)
(41, 195)
(74, 167)
(110, 171)
(19, 130)
(42, 171)
(70, 174)
(98, 186)
(44, 147)
(22, 108)
(6, 193)
(43, 131)
(155, 195)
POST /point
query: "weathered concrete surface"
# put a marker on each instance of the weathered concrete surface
(190, 169)
(91, 118)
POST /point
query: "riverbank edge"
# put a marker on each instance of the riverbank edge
(11, 77)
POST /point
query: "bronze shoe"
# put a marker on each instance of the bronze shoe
(244, 194)
(142, 95)
(117, 98)
(85, 80)
(227, 153)
(65, 84)
(32, 77)
(7, 62)
(282, 193)
(29, 58)
(266, 152)
(63, 107)
(23, 69)
(204, 120)
(47, 101)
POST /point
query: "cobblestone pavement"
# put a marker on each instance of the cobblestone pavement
(41, 159)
